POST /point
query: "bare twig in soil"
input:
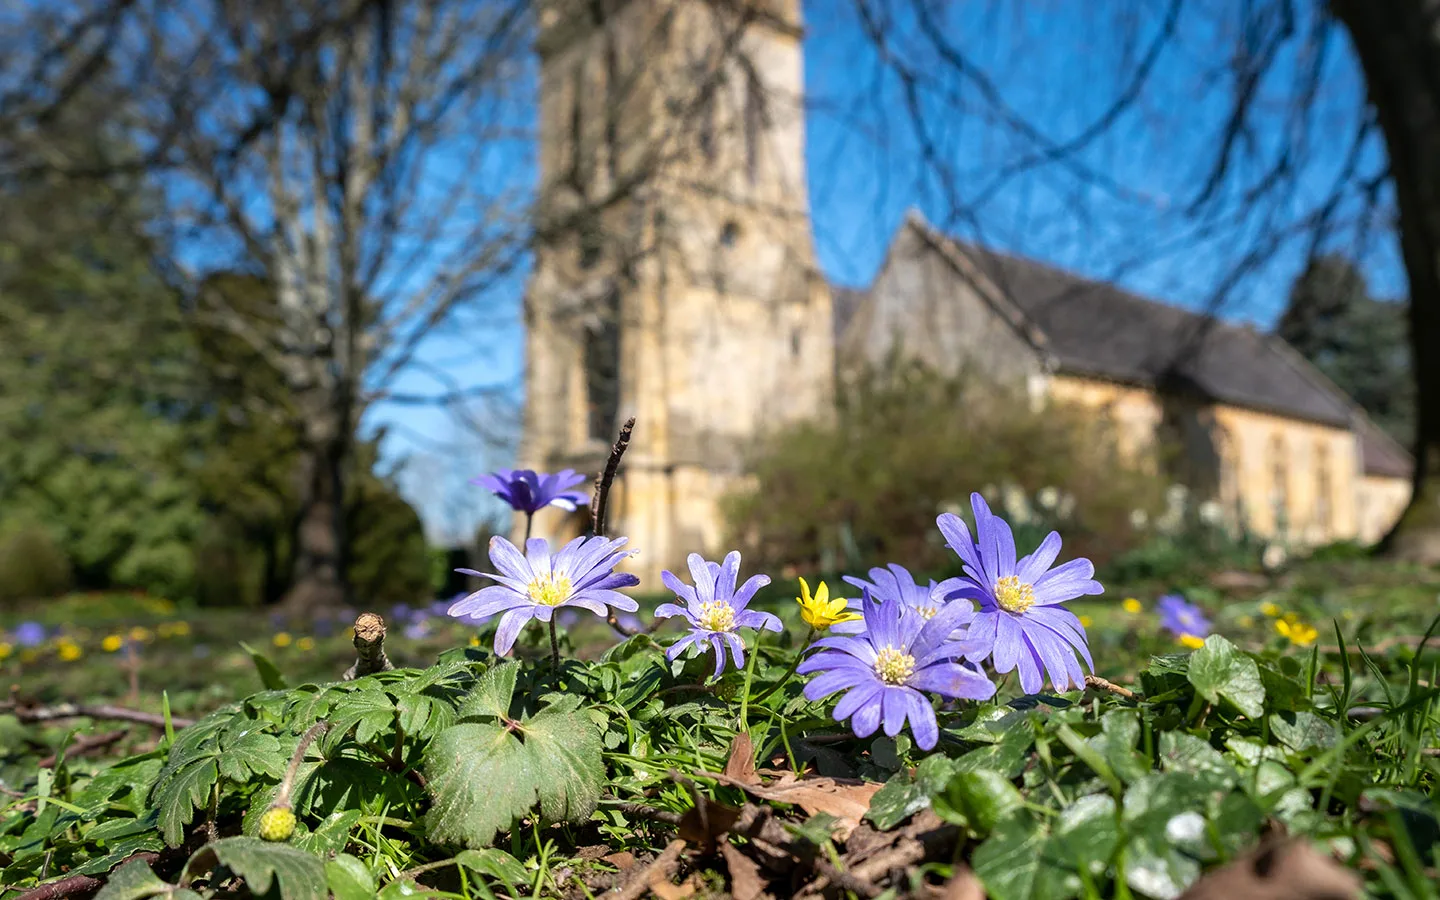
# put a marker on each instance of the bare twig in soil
(600, 504)
(1095, 681)
(81, 885)
(31, 714)
(84, 744)
(369, 648)
(659, 869)
(641, 811)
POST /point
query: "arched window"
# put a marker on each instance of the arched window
(1323, 491)
(1279, 483)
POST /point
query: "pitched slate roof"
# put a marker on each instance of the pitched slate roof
(1098, 329)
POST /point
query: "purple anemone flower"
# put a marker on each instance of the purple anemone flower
(536, 584)
(30, 634)
(715, 609)
(892, 583)
(1020, 624)
(889, 668)
(1180, 618)
(529, 492)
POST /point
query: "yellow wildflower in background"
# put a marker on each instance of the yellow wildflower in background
(1192, 641)
(474, 640)
(1131, 605)
(281, 639)
(112, 643)
(1299, 634)
(1245, 621)
(1270, 609)
(68, 650)
(305, 643)
(5, 650)
(140, 634)
(1086, 621)
(819, 611)
(173, 629)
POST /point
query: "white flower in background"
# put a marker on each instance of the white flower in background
(1048, 497)
(950, 508)
(1067, 506)
(1274, 557)
(1211, 512)
(1175, 495)
(1138, 519)
(1017, 505)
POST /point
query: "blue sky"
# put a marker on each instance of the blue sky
(1113, 210)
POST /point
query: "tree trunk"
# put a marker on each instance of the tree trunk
(319, 575)
(1398, 43)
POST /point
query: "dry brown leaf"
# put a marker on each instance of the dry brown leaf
(706, 821)
(622, 860)
(844, 799)
(663, 889)
(740, 765)
(1281, 870)
(745, 880)
(964, 886)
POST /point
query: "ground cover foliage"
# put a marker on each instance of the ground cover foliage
(1273, 757)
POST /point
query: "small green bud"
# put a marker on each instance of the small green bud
(277, 824)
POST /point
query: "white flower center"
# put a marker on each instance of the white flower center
(716, 615)
(549, 590)
(1014, 595)
(894, 666)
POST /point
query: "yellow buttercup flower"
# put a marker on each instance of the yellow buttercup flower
(1086, 621)
(139, 634)
(1270, 609)
(1298, 633)
(820, 611)
(474, 640)
(1191, 641)
(5, 650)
(68, 651)
(282, 639)
(112, 643)
(1131, 605)
(305, 643)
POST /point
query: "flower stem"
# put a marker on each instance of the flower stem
(554, 645)
(789, 673)
(745, 694)
(529, 523)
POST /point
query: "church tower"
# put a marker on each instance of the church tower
(675, 276)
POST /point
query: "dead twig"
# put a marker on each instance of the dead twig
(600, 504)
(84, 744)
(369, 648)
(30, 715)
(1095, 681)
(81, 885)
(650, 813)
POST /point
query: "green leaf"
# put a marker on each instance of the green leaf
(270, 676)
(133, 881)
(254, 753)
(905, 794)
(300, 875)
(331, 835)
(1119, 734)
(483, 778)
(1085, 834)
(981, 799)
(495, 863)
(349, 879)
(368, 710)
(1181, 752)
(1007, 755)
(1220, 670)
(1009, 860)
(178, 796)
(565, 759)
(1303, 730)
(491, 694)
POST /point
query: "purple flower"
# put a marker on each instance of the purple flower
(417, 630)
(1180, 618)
(715, 609)
(529, 492)
(886, 668)
(30, 634)
(1019, 624)
(892, 583)
(534, 585)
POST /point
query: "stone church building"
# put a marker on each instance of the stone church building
(675, 280)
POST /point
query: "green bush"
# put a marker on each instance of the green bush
(906, 444)
(32, 566)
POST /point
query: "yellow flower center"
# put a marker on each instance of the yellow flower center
(1194, 642)
(894, 666)
(547, 590)
(1014, 595)
(717, 615)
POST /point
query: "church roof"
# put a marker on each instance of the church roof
(1383, 456)
(1093, 328)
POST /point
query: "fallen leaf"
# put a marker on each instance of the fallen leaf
(845, 799)
(740, 765)
(663, 889)
(706, 821)
(964, 886)
(1280, 870)
(745, 880)
(623, 860)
